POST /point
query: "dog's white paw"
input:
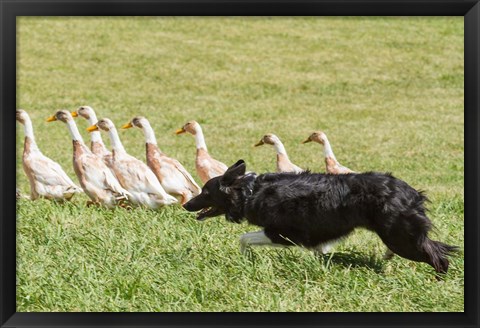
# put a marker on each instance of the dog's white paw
(257, 238)
(323, 249)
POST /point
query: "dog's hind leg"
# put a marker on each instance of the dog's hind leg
(408, 238)
(388, 254)
(424, 250)
(255, 238)
(324, 248)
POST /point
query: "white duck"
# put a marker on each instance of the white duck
(97, 146)
(95, 177)
(331, 164)
(133, 174)
(47, 178)
(173, 177)
(283, 162)
(206, 166)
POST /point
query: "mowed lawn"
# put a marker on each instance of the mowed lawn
(388, 92)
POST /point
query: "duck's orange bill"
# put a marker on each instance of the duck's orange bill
(51, 119)
(92, 128)
(127, 126)
(180, 131)
(74, 114)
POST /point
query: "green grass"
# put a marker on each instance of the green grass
(387, 91)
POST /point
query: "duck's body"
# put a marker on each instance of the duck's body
(173, 177)
(332, 166)
(206, 166)
(46, 177)
(94, 176)
(133, 174)
(283, 162)
(96, 144)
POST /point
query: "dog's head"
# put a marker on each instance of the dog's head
(221, 195)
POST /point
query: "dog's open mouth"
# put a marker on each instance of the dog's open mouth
(207, 213)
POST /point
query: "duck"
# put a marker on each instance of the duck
(96, 145)
(46, 177)
(173, 177)
(96, 179)
(132, 173)
(283, 162)
(332, 166)
(207, 167)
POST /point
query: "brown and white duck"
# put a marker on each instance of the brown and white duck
(96, 145)
(283, 162)
(47, 178)
(207, 167)
(96, 179)
(173, 177)
(133, 174)
(332, 166)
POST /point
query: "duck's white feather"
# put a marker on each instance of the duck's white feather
(48, 177)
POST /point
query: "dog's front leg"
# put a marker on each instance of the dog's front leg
(255, 238)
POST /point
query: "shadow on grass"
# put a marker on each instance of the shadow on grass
(353, 260)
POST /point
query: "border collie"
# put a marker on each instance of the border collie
(312, 209)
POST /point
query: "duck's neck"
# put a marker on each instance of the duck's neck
(115, 140)
(199, 139)
(28, 130)
(327, 150)
(95, 136)
(149, 134)
(74, 133)
(280, 149)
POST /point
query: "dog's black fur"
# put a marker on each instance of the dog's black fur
(310, 209)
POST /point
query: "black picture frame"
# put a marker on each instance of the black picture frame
(9, 10)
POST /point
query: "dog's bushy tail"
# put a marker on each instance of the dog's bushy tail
(437, 253)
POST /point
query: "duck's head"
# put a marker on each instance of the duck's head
(269, 139)
(61, 115)
(104, 124)
(137, 121)
(190, 127)
(83, 111)
(22, 116)
(317, 136)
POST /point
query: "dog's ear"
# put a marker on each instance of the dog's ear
(233, 172)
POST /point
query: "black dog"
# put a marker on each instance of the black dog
(310, 210)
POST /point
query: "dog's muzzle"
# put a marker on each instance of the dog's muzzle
(206, 213)
(202, 213)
